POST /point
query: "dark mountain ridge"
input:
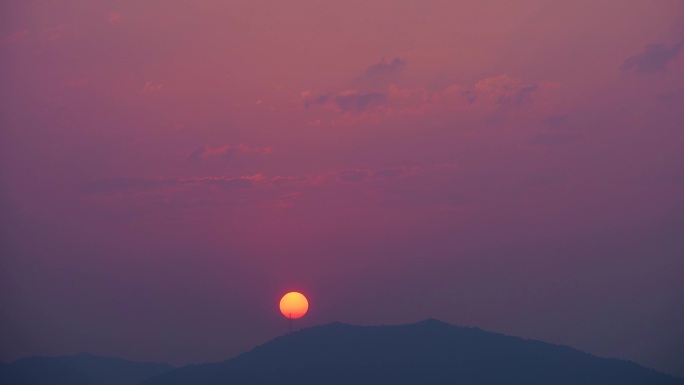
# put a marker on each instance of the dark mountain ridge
(80, 369)
(428, 352)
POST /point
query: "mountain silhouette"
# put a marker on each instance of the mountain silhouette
(13, 376)
(81, 369)
(425, 353)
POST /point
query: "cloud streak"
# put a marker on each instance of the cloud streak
(654, 58)
(205, 152)
(119, 185)
(151, 87)
(384, 68)
(131, 185)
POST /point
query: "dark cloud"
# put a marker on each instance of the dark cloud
(353, 176)
(389, 173)
(654, 58)
(385, 68)
(672, 97)
(203, 152)
(230, 183)
(359, 102)
(317, 101)
(556, 120)
(197, 153)
(519, 97)
(554, 138)
(470, 96)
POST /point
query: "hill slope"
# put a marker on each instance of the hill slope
(429, 352)
(81, 369)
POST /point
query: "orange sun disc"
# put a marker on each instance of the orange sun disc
(294, 305)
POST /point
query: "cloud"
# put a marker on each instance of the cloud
(518, 98)
(557, 120)
(232, 183)
(118, 185)
(180, 198)
(384, 68)
(654, 58)
(389, 172)
(58, 32)
(359, 102)
(124, 185)
(672, 97)
(257, 190)
(226, 152)
(319, 100)
(114, 17)
(347, 101)
(470, 96)
(205, 152)
(18, 37)
(502, 90)
(47, 35)
(150, 87)
(370, 175)
(353, 176)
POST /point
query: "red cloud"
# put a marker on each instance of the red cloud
(150, 87)
(114, 17)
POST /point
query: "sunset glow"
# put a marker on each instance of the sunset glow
(168, 169)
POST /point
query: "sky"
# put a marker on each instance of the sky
(170, 168)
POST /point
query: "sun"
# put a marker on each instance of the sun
(294, 305)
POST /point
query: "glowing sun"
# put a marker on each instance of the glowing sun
(294, 305)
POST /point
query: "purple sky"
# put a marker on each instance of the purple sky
(170, 168)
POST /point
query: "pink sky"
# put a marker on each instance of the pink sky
(168, 169)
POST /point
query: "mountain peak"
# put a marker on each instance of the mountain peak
(427, 352)
(433, 322)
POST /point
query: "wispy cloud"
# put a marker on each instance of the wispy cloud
(353, 176)
(348, 101)
(123, 185)
(359, 101)
(672, 97)
(226, 152)
(18, 37)
(118, 185)
(503, 90)
(45, 35)
(500, 91)
(151, 87)
(654, 58)
(58, 32)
